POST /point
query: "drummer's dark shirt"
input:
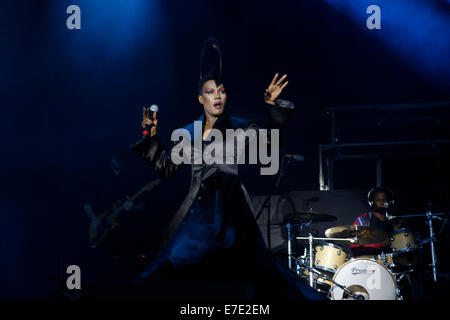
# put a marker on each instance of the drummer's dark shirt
(374, 222)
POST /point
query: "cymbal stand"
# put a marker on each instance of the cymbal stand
(289, 238)
(289, 243)
(311, 260)
(289, 233)
(430, 216)
(433, 249)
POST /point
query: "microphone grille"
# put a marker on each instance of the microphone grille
(154, 108)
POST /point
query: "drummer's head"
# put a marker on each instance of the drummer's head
(380, 198)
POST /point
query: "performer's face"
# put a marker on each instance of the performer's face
(381, 200)
(213, 98)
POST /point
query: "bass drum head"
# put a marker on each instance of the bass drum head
(365, 277)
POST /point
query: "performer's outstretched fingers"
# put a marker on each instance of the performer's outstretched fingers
(274, 78)
(284, 85)
(281, 80)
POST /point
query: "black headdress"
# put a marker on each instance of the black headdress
(210, 62)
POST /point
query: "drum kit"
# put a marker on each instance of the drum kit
(333, 272)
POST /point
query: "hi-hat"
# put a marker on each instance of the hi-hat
(306, 216)
(362, 234)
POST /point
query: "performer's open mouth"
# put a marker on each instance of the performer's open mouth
(218, 105)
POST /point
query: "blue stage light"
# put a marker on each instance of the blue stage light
(416, 31)
(113, 29)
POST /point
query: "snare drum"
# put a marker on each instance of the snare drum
(404, 247)
(385, 258)
(366, 278)
(329, 257)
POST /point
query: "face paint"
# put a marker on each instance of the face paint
(213, 98)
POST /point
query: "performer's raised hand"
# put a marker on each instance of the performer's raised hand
(148, 121)
(274, 89)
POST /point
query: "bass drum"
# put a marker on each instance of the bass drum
(367, 278)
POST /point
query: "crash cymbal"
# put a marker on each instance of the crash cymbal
(346, 231)
(306, 216)
(363, 235)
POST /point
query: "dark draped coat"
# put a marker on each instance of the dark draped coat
(217, 211)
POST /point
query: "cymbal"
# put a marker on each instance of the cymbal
(306, 216)
(363, 235)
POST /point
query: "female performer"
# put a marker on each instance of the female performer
(214, 230)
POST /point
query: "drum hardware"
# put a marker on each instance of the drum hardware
(302, 219)
(289, 226)
(401, 274)
(305, 254)
(383, 258)
(399, 296)
(311, 239)
(430, 216)
(326, 277)
(427, 240)
(353, 284)
(358, 286)
(387, 259)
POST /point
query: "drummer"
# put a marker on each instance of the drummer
(380, 200)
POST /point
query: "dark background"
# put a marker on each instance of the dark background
(72, 99)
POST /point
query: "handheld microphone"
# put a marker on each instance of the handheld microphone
(153, 108)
